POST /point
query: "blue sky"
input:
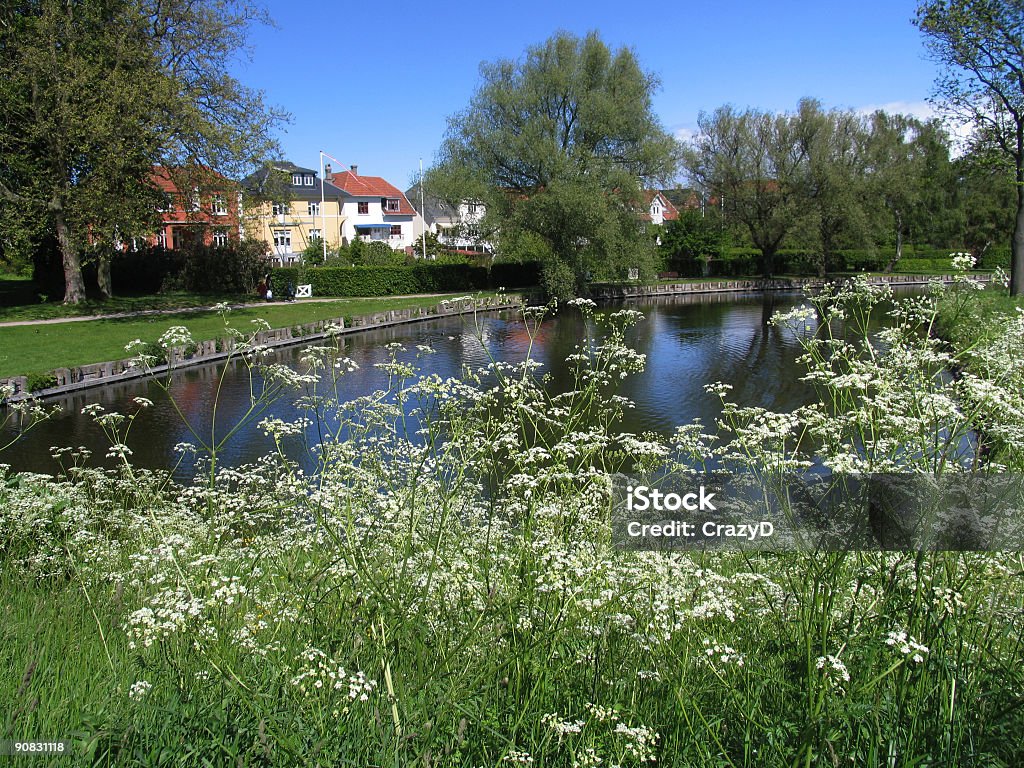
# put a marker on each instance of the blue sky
(373, 83)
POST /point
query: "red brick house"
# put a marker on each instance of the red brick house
(210, 214)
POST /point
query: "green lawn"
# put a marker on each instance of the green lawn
(40, 348)
(19, 302)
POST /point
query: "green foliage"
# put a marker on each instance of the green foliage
(375, 253)
(556, 147)
(420, 277)
(980, 45)
(38, 381)
(313, 253)
(688, 242)
(97, 94)
(434, 247)
(828, 182)
(385, 281)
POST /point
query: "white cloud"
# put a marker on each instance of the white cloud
(959, 131)
(684, 134)
(922, 110)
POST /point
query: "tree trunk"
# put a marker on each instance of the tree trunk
(1017, 248)
(74, 284)
(768, 260)
(103, 279)
(899, 244)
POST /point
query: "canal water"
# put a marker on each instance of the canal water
(689, 341)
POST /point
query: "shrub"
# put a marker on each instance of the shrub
(38, 381)
(421, 277)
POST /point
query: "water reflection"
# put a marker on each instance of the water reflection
(689, 341)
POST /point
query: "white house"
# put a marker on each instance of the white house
(457, 229)
(373, 209)
(659, 208)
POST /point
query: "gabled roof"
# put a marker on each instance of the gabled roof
(434, 208)
(669, 212)
(257, 182)
(371, 186)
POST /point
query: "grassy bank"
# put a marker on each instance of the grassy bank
(40, 348)
(977, 317)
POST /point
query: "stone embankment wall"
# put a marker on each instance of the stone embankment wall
(620, 291)
(101, 374)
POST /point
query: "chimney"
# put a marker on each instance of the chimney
(327, 171)
(355, 170)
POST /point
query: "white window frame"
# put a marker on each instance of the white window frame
(283, 239)
(392, 205)
(307, 180)
(313, 208)
(218, 205)
(279, 209)
(296, 179)
(315, 234)
(220, 238)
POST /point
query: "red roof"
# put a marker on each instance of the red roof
(669, 211)
(371, 186)
(161, 178)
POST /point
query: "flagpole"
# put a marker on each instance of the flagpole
(323, 208)
(423, 212)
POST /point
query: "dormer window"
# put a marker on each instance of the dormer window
(307, 180)
(390, 204)
(297, 179)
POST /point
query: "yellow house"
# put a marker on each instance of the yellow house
(295, 208)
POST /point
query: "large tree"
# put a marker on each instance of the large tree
(910, 176)
(559, 147)
(95, 93)
(980, 44)
(832, 146)
(752, 162)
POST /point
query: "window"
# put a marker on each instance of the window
(471, 207)
(364, 208)
(390, 204)
(220, 238)
(177, 239)
(193, 203)
(282, 239)
(280, 209)
(396, 230)
(166, 203)
(308, 180)
(161, 238)
(313, 208)
(220, 208)
(314, 234)
(297, 179)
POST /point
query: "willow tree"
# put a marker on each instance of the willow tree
(559, 146)
(980, 44)
(752, 162)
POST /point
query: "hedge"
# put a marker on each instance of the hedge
(415, 278)
(741, 262)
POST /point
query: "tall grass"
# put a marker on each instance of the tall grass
(443, 590)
